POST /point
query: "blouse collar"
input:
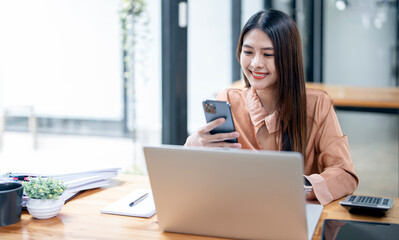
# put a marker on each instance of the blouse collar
(258, 114)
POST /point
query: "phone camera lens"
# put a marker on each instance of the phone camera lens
(209, 108)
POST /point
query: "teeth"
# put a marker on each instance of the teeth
(259, 75)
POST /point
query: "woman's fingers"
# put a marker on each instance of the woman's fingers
(223, 145)
(211, 125)
(203, 137)
(220, 137)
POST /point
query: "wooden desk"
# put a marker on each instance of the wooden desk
(385, 100)
(367, 99)
(80, 218)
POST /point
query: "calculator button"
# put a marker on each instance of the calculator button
(360, 199)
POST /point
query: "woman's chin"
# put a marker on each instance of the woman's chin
(261, 85)
(258, 86)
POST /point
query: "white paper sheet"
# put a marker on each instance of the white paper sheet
(145, 208)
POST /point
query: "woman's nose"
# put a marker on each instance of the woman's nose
(257, 62)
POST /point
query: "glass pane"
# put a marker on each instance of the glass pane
(360, 44)
(54, 54)
(62, 87)
(359, 49)
(148, 81)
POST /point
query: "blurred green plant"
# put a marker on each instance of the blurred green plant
(134, 19)
(44, 188)
(131, 13)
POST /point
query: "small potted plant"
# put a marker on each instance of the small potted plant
(44, 197)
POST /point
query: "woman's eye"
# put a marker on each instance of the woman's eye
(247, 52)
(268, 55)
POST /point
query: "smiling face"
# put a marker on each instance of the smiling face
(257, 60)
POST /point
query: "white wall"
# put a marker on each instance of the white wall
(209, 54)
(62, 56)
(209, 51)
(249, 8)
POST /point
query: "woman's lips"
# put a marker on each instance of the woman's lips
(259, 75)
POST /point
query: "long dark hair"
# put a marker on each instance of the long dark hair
(291, 90)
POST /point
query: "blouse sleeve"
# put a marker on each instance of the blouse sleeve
(222, 96)
(337, 177)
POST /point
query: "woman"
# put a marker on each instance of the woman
(276, 112)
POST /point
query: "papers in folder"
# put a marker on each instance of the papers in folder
(144, 208)
(80, 181)
(76, 180)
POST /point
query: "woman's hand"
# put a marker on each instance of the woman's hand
(311, 196)
(203, 137)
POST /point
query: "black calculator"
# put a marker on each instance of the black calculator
(367, 204)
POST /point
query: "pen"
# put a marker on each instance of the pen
(21, 177)
(135, 202)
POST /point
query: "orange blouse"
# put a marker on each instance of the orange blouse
(327, 166)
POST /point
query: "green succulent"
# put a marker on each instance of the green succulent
(44, 188)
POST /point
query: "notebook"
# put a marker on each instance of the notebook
(124, 206)
(230, 193)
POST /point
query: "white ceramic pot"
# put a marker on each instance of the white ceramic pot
(44, 208)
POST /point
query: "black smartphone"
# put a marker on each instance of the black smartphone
(219, 109)
(307, 185)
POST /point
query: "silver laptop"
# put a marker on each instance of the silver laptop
(230, 193)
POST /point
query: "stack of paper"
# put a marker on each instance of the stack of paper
(86, 180)
(76, 181)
